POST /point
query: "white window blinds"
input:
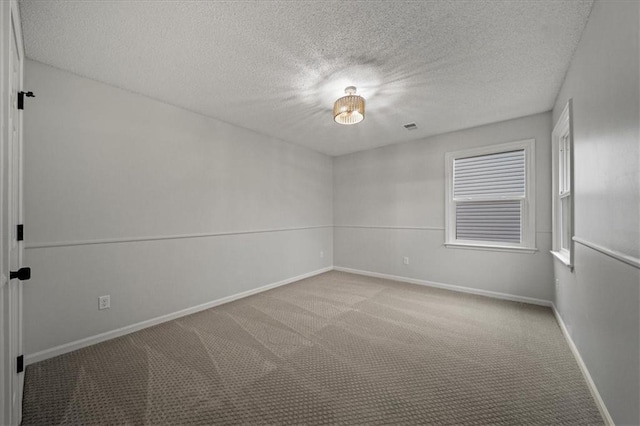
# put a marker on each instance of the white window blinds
(488, 193)
(490, 176)
(498, 221)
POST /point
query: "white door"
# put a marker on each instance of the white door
(13, 198)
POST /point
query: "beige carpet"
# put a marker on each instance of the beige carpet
(333, 349)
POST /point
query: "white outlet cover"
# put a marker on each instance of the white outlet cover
(406, 260)
(104, 302)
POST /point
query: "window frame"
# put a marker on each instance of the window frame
(528, 220)
(562, 137)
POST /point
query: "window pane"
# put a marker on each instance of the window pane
(564, 164)
(561, 174)
(497, 221)
(565, 224)
(493, 175)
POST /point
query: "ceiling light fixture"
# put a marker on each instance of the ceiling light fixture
(349, 109)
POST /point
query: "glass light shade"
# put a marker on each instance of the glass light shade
(349, 109)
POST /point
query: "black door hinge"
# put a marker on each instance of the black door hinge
(21, 96)
(23, 274)
(20, 364)
(20, 233)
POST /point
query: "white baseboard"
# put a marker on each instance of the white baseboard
(92, 340)
(461, 289)
(583, 368)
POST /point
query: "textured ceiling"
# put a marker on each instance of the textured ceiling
(277, 66)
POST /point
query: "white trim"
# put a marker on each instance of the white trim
(32, 246)
(164, 237)
(625, 258)
(583, 368)
(491, 149)
(92, 340)
(528, 222)
(458, 288)
(416, 228)
(562, 258)
(469, 246)
(5, 367)
(563, 126)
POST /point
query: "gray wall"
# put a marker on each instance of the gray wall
(104, 164)
(389, 203)
(599, 300)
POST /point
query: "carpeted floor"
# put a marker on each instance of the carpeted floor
(333, 349)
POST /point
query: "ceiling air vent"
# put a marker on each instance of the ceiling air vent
(411, 126)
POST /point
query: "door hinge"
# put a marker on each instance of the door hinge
(21, 96)
(20, 364)
(20, 233)
(23, 274)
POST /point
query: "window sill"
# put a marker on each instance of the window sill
(491, 248)
(562, 258)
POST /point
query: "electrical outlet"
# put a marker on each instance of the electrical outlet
(104, 302)
(557, 282)
(321, 254)
(405, 260)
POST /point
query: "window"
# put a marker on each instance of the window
(562, 139)
(490, 197)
